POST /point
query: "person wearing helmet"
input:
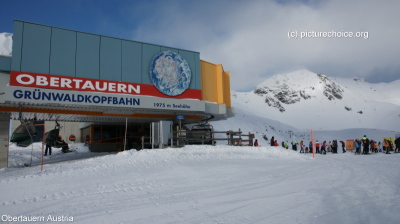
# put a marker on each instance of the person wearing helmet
(365, 142)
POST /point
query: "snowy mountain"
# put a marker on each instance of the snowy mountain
(285, 91)
(5, 44)
(250, 121)
(308, 100)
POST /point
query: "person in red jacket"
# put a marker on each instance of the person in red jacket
(301, 147)
(256, 143)
(372, 146)
(343, 146)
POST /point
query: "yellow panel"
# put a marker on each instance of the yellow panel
(215, 83)
(227, 89)
(208, 82)
(220, 86)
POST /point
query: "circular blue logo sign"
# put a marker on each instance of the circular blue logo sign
(170, 73)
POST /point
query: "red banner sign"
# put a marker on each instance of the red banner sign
(34, 80)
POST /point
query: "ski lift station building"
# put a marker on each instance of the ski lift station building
(105, 85)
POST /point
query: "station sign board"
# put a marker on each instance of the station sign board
(53, 96)
(35, 80)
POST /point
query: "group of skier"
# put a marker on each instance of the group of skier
(371, 146)
(368, 146)
(322, 148)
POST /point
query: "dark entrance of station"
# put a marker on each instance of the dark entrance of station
(111, 137)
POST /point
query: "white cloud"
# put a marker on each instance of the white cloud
(250, 38)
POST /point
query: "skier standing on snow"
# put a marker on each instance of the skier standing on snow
(301, 147)
(334, 146)
(329, 146)
(273, 141)
(376, 147)
(256, 143)
(372, 145)
(323, 148)
(48, 148)
(358, 146)
(390, 148)
(365, 142)
(385, 145)
(343, 146)
(317, 147)
(397, 142)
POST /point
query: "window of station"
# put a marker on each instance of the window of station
(116, 133)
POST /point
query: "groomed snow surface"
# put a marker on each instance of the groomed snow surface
(201, 184)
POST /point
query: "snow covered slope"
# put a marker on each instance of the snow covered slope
(307, 100)
(248, 119)
(204, 184)
(5, 44)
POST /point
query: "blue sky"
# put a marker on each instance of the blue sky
(250, 38)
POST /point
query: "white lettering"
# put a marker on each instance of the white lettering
(60, 82)
(24, 218)
(41, 81)
(20, 77)
(111, 87)
(77, 83)
(54, 81)
(132, 88)
(121, 88)
(88, 85)
(104, 86)
(65, 82)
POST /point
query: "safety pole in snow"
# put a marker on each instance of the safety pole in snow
(313, 144)
(126, 129)
(43, 140)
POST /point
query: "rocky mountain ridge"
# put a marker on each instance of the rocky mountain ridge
(282, 94)
(305, 99)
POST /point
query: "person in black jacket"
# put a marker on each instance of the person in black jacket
(397, 142)
(365, 142)
(48, 148)
(334, 146)
(272, 141)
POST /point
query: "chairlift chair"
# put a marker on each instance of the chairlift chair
(24, 133)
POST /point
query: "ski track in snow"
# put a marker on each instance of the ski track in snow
(205, 184)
